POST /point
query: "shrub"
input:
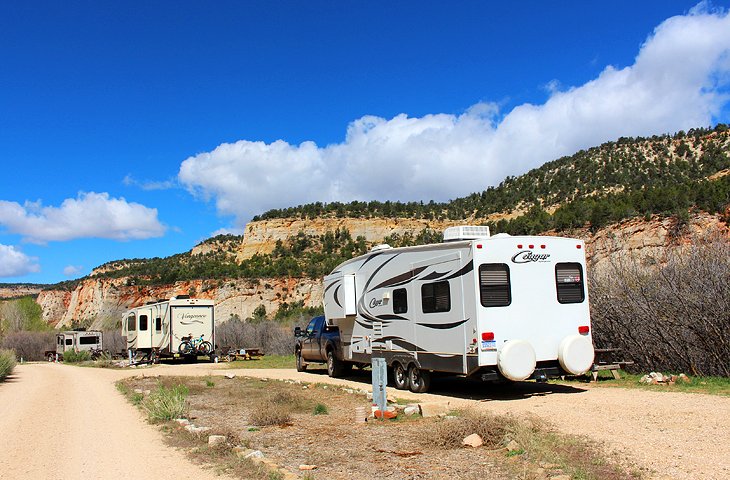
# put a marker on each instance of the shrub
(320, 409)
(72, 356)
(7, 363)
(671, 314)
(267, 415)
(29, 345)
(166, 403)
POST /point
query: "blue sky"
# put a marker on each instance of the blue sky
(137, 129)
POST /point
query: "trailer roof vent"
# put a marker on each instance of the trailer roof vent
(382, 246)
(465, 232)
(180, 297)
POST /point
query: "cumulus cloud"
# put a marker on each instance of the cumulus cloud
(679, 80)
(72, 270)
(89, 215)
(14, 263)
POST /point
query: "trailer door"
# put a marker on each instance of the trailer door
(440, 321)
(145, 328)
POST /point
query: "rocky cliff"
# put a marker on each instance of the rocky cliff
(99, 302)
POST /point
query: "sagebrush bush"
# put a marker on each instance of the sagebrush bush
(7, 363)
(166, 403)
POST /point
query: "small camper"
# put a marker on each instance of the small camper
(78, 341)
(178, 327)
(488, 307)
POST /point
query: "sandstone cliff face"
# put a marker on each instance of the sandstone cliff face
(102, 301)
(261, 237)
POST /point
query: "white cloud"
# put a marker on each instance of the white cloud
(227, 231)
(14, 263)
(678, 80)
(130, 181)
(90, 215)
(72, 270)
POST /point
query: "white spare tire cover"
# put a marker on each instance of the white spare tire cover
(516, 360)
(576, 354)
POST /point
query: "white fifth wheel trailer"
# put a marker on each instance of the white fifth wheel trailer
(165, 328)
(488, 307)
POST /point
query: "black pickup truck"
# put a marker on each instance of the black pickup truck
(320, 343)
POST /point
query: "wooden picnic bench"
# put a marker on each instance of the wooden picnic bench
(233, 354)
(605, 359)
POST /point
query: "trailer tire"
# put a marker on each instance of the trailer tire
(400, 376)
(335, 367)
(419, 380)
(301, 366)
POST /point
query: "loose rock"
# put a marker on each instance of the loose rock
(473, 441)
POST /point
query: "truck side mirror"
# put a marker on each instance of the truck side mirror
(297, 331)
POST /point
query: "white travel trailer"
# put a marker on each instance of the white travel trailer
(489, 307)
(78, 341)
(158, 329)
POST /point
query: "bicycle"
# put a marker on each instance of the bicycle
(196, 346)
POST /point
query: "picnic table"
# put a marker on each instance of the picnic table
(606, 359)
(233, 354)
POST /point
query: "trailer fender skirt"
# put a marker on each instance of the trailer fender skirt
(516, 360)
(576, 354)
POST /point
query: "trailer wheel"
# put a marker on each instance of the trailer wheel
(419, 380)
(301, 366)
(400, 376)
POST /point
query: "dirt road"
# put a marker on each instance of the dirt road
(64, 422)
(69, 422)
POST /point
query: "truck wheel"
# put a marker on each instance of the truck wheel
(334, 366)
(301, 366)
(400, 376)
(419, 380)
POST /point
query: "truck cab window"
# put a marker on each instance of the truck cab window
(400, 300)
(436, 297)
(569, 282)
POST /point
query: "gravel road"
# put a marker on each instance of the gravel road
(64, 422)
(69, 422)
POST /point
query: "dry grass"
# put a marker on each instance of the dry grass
(449, 432)
(166, 404)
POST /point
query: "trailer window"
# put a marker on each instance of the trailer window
(400, 300)
(436, 297)
(143, 322)
(88, 340)
(494, 285)
(59, 340)
(158, 324)
(131, 323)
(69, 341)
(569, 281)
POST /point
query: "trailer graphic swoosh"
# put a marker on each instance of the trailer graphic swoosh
(401, 279)
(443, 326)
(191, 322)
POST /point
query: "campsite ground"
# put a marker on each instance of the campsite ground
(71, 422)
